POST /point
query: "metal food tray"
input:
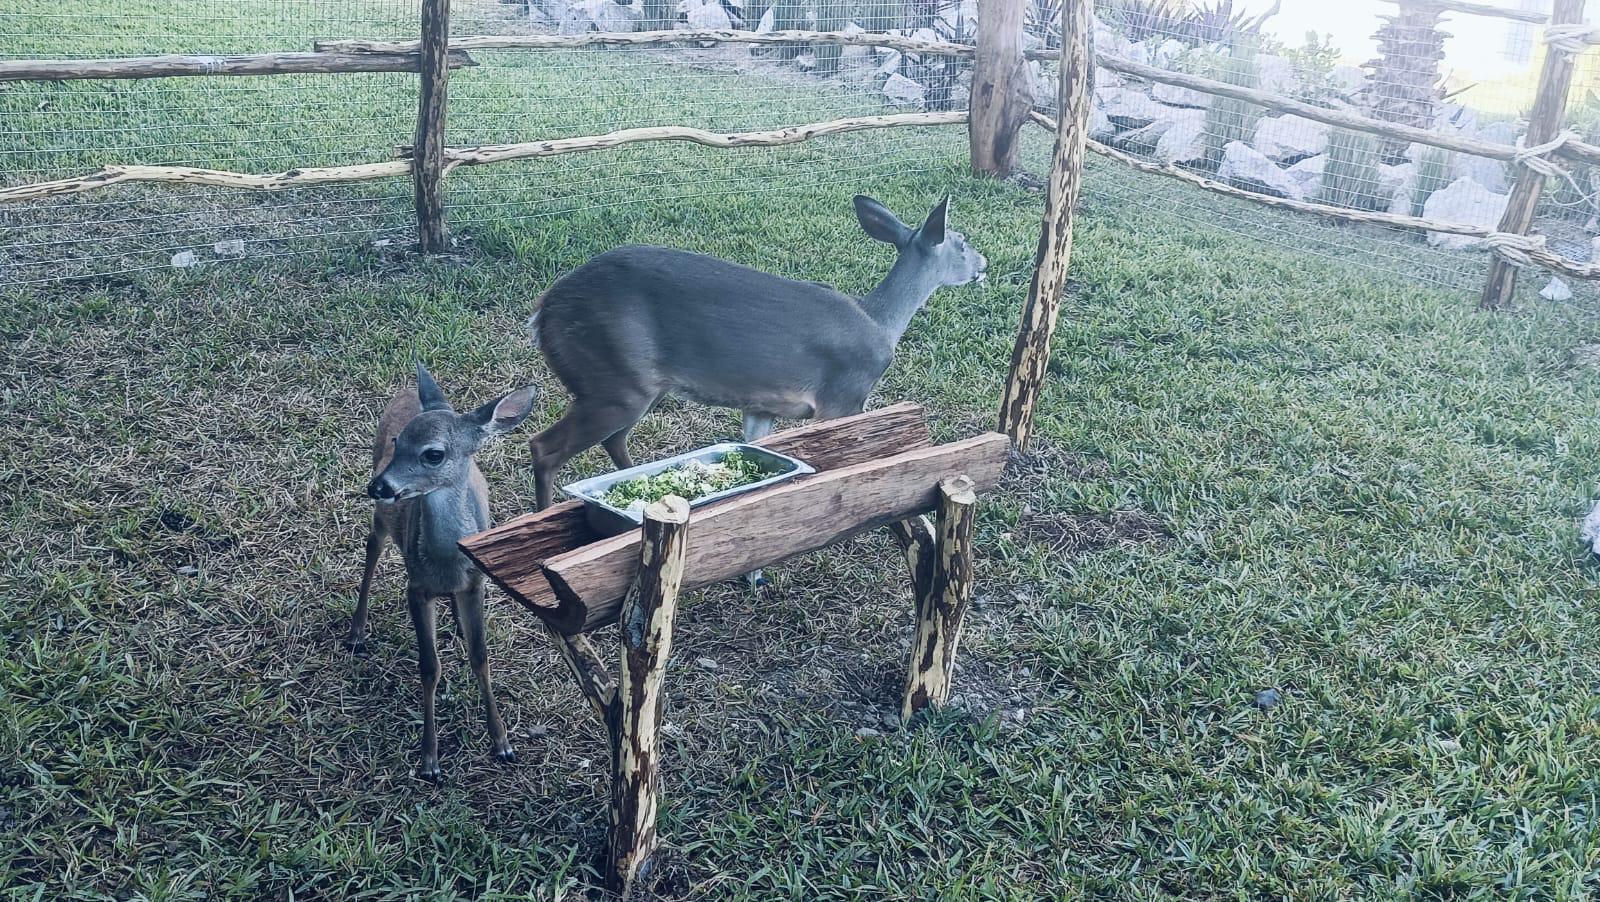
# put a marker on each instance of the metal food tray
(609, 521)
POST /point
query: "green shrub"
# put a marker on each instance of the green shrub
(1433, 172)
(1227, 119)
(1350, 177)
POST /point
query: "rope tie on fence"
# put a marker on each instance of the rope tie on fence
(1570, 39)
(1513, 248)
(1535, 157)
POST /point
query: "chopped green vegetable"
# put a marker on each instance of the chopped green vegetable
(692, 480)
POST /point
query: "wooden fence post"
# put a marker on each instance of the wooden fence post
(1544, 123)
(1001, 96)
(634, 719)
(1031, 355)
(942, 600)
(427, 163)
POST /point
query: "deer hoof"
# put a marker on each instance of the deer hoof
(430, 771)
(356, 646)
(507, 754)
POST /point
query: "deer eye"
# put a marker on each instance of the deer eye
(433, 457)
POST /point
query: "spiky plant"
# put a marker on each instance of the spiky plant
(832, 15)
(1350, 175)
(1227, 119)
(1434, 165)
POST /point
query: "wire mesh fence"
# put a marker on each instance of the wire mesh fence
(1409, 62)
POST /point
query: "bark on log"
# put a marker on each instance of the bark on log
(1001, 96)
(511, 554)
(428, 160)
(942, 604)
(738, 535)
(646, 622)
(1030, 357)
(188, 175)
(1549, 112)
(324, 62)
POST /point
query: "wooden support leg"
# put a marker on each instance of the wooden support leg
(942, 603)
(634, 718)
(594, 680)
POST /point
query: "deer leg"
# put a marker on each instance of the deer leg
(584, 426)
(470, 603)
(756, 426)
(356, 641)
(617, 446)
(428, 669)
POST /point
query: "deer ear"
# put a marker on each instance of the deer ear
(879, 223)
(428, 391)
(932, 231)
(504, 414)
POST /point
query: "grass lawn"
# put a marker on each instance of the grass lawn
(1257, 470)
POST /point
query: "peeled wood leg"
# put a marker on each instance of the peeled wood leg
(942, 603)
(594, 680)
(634, 718)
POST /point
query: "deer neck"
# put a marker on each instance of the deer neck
(900, 295)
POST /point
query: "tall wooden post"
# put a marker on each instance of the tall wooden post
(1544, 123)
(427, 158)
(635, 717)
(942, 600)
(1001, 96)
(1031, 355)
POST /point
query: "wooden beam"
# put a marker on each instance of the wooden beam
(593, 679)
(795, 134)
(1001, 96)
(941, 604)
(669, 36)
(1485, 9)
(1544, 122)
(647, 619)
(760, 529)
(323, 62)
(427, 170)
(189, 175)
(1030, 356)
(510, 553)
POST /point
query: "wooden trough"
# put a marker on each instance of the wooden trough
(874, 469)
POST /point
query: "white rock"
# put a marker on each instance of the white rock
(1499, 133)
(890, 64)
(1489, 173)
(1397, 187)
(1245, 167)
(805, 61)
(1290, 137)
(597, 15)
(709, 14)
(1101, 128)
(1105, 78)
(707, 664)
(233, 247)
(1173, 95)
(1594, 251)
(902, 91)
(1275, 75)
(1307, 175)
(1590, 530)
(1183, 140)
(1129, 108)
(1555, 290)
(1467, 202)
(184, 259)
(1139, 53)
(1348, 80)
(765, 25)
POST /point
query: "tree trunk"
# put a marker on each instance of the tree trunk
(427, 167)
(1001, 98)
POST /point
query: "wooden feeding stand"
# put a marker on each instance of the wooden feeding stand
(874, 469)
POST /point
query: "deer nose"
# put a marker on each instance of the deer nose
(380, 490)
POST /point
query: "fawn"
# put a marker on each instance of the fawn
(430, 494)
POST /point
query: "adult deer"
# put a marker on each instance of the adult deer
(638, 323)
